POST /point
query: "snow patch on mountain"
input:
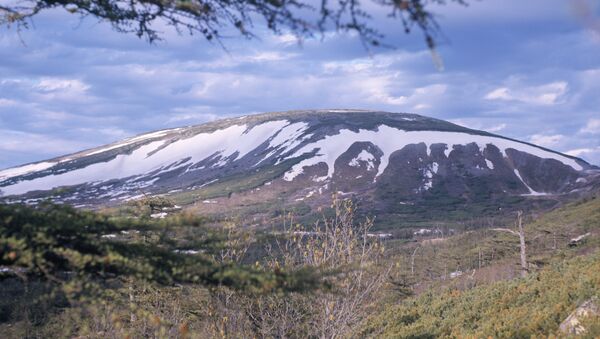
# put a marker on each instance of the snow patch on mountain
(363, 157)
(230, 143)
(390, 139)
(531, 191)
(287, 139)
(133, 140)
(289, 136)
(16, 171)
(428, 173)
(446, 151)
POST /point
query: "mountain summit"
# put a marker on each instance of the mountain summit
(389, 160)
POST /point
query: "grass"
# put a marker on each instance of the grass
(491, 302)
(234, 184)
(520, 308)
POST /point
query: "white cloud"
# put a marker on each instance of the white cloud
(193, 117)
(547, 94)
(270, 56)
(419, 107)
(496, 128)
(499, 93)
(7, 102)
(380, 90)
(581, 151)
(286, 39)
(53, 89)
(592, 127)
(476, 123)
(18, 141)
(546, 140)
(590, 154)
(57, 84)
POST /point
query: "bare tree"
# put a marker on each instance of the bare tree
(210, 18)
(522, 243)
(412, 261)
(343, 251)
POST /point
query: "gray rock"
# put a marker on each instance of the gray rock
(572, 325)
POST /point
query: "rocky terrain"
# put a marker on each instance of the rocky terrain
(396, 164)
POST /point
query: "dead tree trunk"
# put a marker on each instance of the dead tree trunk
(412, 261)
(524, 266)
(132, 317)
(522, 244)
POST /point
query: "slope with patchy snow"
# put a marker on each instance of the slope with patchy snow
(188, 158)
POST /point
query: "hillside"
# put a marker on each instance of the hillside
(147, 277)
(468, 284)
(521, 308)
(397, 166)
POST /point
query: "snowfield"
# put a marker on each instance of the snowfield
(279, 139)
(227, 144)
(390, 139)
(16, 171)
(364, 157)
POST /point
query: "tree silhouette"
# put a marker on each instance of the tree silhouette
(211, 18)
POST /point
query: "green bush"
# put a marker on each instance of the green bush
(520, 308)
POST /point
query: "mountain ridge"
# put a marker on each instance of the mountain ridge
(284, 114)
(385, 158)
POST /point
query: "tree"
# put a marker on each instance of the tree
(522, 245)
(211, 18)
(412, 261)
(352, 263)
(65, 246)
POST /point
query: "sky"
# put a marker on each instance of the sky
(526, 70)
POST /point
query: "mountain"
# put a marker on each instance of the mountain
(396, 164)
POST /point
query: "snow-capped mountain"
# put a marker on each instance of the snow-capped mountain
(389, 159)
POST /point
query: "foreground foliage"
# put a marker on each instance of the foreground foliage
(211, 18)
(53, 241)
(97, 276)
(69, 261)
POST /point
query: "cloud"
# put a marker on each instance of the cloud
(546, 140)
(478, 124)
(499, 93)
(581, 151)
(18, 141)
(591, 154)
(7, 102)
(56, 84)
(547, 94)
(592, 127)
(188, 115)
(496, 128)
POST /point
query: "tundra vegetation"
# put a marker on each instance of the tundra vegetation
(73, 273)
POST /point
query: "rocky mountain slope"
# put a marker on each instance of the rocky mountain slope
(390, 161)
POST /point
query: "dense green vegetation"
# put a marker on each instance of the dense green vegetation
(486, 299)
(521, 308)
(52, 240)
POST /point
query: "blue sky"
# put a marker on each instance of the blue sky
(527, 70)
